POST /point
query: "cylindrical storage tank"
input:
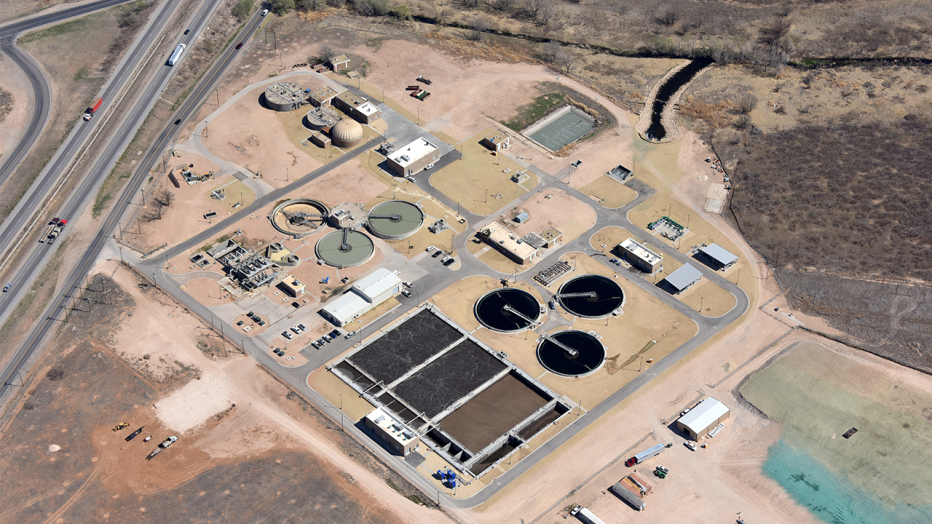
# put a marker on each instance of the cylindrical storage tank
(347, 133)
(284, 96)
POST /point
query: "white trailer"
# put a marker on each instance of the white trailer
(176, 55)
(652, 452)
(586, 516)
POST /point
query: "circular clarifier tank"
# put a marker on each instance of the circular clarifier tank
(591, 296)
(574, 354)
(345, 248)
(507, 310)
(395, 219)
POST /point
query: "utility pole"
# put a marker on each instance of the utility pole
(205, 129)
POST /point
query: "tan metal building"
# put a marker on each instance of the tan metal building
(702, 418)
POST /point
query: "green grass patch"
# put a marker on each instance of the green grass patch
(56, 30)
(530, 113)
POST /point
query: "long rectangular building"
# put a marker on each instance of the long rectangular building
(702, 418)
(640, 256)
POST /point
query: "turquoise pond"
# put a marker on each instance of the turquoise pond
(830, 496)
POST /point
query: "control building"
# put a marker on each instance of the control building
(357, 107)
(508, 244)
(640, 257)
(412, 158)
(392, 432)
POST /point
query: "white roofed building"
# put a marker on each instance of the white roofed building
(411, 158)
(702, 418)
(367, 293)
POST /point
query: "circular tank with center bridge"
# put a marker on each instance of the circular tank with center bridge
(299, 217)
(507, 310)
(395, 219)
(591, 296)
(345, 248)
(571, 353)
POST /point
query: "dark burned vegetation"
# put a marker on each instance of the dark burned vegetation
(852, 198)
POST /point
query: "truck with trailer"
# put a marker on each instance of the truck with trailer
(164, 445)
(626, 492)
(644, 455)
(55, 229)
(89, 112)
(176, 55)
(585, 515)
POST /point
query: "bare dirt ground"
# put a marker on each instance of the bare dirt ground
(260, 459)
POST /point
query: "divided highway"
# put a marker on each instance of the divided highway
(40, 86)
(84, 194)
(25, 215)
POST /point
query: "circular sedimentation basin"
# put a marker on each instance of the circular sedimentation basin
(608, 296)
(404, 219)
(294, 225)
(357, 250)
(589, 357)
(492, 312)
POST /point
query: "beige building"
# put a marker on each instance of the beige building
(392, 432)
(412, 158)
(702, 418)
(508, 244)
(357, 107)
(640, 257)
(323, 97)
(339, 63)
(496, 141)
(293, 286)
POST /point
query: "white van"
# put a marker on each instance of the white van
(265, 12)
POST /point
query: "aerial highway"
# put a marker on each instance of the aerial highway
(24, 215)
(85, 192)
(40, 86)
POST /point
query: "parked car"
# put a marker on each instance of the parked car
(407, 284)
(296, 330)
(430, 248)
(444, 259)
(287, 335)
(437, 254)
(335, 333)
(406, 293)
(328, 338)
(685, 411)
(321, 341)
(350, 334)
(690, 445)
(631, 461)
(265, 12)
(316, 346)
(302, 327)
(429, 166)
(449, 262)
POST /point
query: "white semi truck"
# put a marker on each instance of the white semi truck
(176, 55)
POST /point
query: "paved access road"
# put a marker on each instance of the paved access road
(439, 277)
(84, 194)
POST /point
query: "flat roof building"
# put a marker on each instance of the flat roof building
(340, 62)
(718, 257)
(392, 432)
(640, 256)
(683, 278)
(293, 286)
(508, 244)
(412, 158)
(357, 107)
(496, 140)
(323, 96)
(367, 293)
(702, 418)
